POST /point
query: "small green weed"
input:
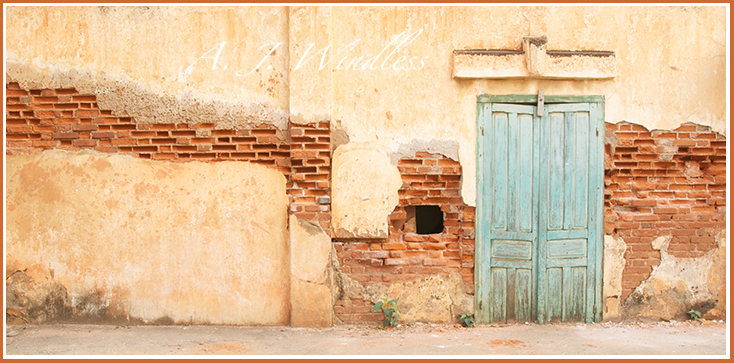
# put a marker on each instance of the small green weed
(390, 310)
(467, 320)
(695, 314)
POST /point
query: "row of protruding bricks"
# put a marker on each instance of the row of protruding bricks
(62, 119)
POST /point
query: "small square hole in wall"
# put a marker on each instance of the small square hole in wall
(428, 219)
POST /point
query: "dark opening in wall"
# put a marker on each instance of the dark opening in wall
(428, 219)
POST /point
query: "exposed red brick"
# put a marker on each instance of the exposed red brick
(661, 199)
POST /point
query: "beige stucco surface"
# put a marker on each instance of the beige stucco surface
(164, 64)
(364, 191)
(150, 240)
(310, 258)
(670, 64)
(612, 267)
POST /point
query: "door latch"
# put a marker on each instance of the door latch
(541, 102)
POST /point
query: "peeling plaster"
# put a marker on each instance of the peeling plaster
(679, 284)
(364, 191)
(401, 148)
(129, 98)
(435, 298)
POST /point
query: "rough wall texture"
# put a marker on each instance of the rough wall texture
(364, 191)
(158, 64)
(64, 119)
(666, 73)
(680, 284)
(172, 84)
(43, 120)
(311, 169)
(411, 265)
(93, 236)
(146, 76)
(663, 183)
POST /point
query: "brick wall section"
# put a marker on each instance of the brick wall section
(657, 183)
(428, 179)
(661, 183)
(63, 119)
(311, 173)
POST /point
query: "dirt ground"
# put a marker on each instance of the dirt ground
(608, 339)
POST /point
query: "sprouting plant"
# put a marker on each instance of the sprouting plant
(695, 314)
(467, 320)
(390, 310)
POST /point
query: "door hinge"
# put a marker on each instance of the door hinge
(541, 102)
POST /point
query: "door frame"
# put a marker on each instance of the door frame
(532, 99)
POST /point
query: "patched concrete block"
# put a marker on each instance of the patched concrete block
(311, 296)
(310, 251)
(613, 265)
(364, 191)
(310, 304)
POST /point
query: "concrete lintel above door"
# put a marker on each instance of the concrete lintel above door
(533, 61)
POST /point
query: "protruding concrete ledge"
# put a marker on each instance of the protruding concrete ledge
(534, 61)
(489, 63)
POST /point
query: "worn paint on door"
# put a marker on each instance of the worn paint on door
(539, 211)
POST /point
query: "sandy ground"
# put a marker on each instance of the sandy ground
(615, 339)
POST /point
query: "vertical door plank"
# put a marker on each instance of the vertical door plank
(581, 170)
(499, 167)
(497, 309)
(578, 293)
(556, 169)
(524, 167)
(554, 300)
(482, 258)
(568, 169)
(512, 171)
(523, 297)
(511, 294)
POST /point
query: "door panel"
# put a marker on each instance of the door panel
(507, 282)
(567, 235)
(539, 213)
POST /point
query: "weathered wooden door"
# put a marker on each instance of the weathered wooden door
(538, 245)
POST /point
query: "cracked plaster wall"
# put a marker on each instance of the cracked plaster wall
(145, 76)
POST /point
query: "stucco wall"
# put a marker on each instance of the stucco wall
(113, 237)
(379, 77)
(157, 64)
(671, 63)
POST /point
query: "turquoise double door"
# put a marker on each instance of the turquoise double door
(539, 209)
